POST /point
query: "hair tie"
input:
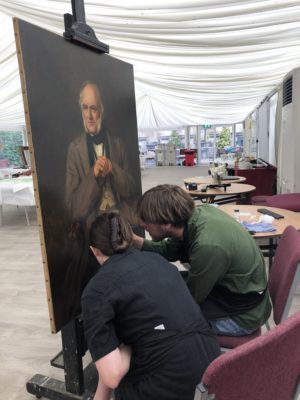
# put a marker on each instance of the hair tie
(115, 232)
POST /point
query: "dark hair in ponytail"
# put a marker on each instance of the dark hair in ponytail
(110, 233)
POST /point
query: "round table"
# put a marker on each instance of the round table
(17, 191)
(208, 180)
(246, 212)
(290, 217)
(231, 193)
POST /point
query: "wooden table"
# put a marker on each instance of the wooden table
(18, 192)
(208, 180)
(229, 194)
(290, 218)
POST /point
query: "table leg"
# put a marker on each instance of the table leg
(26, 215)
(272, 250)
(268, 250)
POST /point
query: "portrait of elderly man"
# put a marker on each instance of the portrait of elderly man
(97, 179)
(97, 173)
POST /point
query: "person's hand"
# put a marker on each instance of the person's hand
(137, 241)
(102, 167)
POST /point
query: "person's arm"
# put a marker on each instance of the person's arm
(103, 392)
(111, 357)
(209, 264)
(172, 249)
(137, 241)
(111, 369)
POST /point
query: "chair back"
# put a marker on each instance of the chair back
(288, 201)
(24, 155)
(267, 367)
(285, 273)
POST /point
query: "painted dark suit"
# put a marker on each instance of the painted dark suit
(84, 191)
(83, 195)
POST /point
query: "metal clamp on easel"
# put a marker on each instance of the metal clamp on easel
(76, 28)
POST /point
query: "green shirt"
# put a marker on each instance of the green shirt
(220, 252)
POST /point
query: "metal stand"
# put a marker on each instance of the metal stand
(219, 185)
(216, 186)
(256, 151)
(79, 384)
(269, 249)
(76, 28)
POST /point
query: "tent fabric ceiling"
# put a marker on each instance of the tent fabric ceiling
(195, 62)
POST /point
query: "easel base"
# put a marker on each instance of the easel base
(43, 386)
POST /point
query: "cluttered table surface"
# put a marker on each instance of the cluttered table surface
(208, 180)
(232, 192)
(249, 215)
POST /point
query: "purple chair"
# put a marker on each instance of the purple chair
(287, 201)
(267, 368)
(285, 273)
(283, 280)
(259, 200)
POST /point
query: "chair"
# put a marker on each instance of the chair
(24, 155)
(283, 280)
(285, 273)
(267, 368)
(4, 163)
(287, 201)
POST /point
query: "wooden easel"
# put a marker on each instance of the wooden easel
(79, 384)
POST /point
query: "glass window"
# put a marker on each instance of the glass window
(10, 142)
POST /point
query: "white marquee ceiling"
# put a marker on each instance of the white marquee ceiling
(195, 62)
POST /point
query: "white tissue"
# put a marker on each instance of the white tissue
(267, 219)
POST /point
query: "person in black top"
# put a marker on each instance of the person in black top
(146, 334)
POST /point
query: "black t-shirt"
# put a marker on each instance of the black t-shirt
(139, 299)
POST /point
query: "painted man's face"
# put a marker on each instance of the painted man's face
(90, 110)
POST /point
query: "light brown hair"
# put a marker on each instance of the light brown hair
(165, 204)
(110, 233)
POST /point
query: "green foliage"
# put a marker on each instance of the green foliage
(175, 139)
(9, 146)
(224, 139)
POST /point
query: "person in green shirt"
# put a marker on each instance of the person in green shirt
(227, 275)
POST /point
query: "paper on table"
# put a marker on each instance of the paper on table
(23, 183)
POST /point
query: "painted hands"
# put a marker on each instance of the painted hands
(102, 167)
